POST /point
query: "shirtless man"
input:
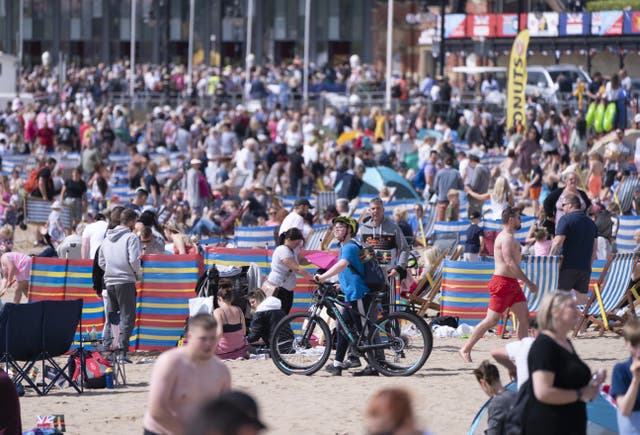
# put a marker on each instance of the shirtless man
(183, 379)
(504, 290)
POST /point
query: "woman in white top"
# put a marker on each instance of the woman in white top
(285, 264)
(500, 198)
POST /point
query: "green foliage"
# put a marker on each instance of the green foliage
(612, 5)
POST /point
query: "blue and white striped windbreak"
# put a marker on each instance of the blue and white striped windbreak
(254, 237)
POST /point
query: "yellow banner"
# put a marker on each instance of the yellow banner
(517, 81)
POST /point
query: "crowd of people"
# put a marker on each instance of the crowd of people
(162, 181)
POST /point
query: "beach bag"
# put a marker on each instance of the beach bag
(95, 367)
(199, 305)
(32, 181)
(374, 277)
(514, 422)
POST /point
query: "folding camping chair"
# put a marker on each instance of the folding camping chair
(427, 287)
(60, 323)
(610, 293)
(39, 332)
(544, 272)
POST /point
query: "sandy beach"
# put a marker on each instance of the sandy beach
(445, 392)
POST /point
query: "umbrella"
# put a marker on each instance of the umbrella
(347, 136)
(375, 178)
(428, 132)
(631, 135)
(323, 260)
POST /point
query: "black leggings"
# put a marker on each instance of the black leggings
(286, 297)
(352, 318)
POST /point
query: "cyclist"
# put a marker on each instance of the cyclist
(349, 269)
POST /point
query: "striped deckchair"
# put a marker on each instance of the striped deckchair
(610, 293)
(254, 237)
(326, 199)
(36, 211)
(427, 288)
(544, 272)
(464, 290)
(315, 241)
(623, 195)
(163, 300)
(626, 227)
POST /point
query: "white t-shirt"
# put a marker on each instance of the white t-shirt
(95, 233)
(292, 220)
(280, 274)
(518, 352)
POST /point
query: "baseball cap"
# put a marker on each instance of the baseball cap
(474, 214)
(302, 201)
(142, 190)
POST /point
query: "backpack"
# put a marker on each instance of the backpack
(95, 367)
(32, 181)
(548, 135)
(418, 180)
(514, 421)
(374, 277)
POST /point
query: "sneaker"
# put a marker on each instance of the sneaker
(352, 363)
(335, 371)
(367, 371)
(122, 359)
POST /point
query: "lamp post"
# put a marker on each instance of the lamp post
(249, 57)
(387, 91)
(132, 51)
(305, 64)
(190, 49)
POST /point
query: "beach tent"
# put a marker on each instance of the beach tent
(375, 178)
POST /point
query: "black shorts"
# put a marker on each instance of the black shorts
(574, 279)
(148, 432)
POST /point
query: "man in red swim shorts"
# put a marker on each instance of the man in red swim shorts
(504, 290)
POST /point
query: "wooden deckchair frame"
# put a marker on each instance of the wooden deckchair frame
(610, 320)
(430, 285)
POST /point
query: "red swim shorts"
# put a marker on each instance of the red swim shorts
(534, 192)
(503, 293)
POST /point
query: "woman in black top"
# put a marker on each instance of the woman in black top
(74, 194)
(561, 381)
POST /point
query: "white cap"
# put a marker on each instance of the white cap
(57, 205)
(637, 118)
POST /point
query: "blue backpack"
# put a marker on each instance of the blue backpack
(374, 277)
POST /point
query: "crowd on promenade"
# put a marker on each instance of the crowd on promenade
(181, 173)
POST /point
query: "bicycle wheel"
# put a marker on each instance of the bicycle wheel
(407, 341)
(300, 344)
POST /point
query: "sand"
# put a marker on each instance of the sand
(446, 395)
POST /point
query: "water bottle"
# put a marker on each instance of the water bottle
(108, 378)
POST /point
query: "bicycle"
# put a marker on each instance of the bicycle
(397, 343)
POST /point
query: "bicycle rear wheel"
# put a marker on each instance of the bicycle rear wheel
(300, 344)
(407, 341)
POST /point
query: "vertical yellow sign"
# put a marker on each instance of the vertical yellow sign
(517, 81)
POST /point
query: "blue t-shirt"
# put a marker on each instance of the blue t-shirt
(352, 284)
(415, 223)
(580, 232)
(620, 381)
(472, 245)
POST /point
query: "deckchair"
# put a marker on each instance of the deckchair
(624, 237)
(429, 287)
(544, 272)
(254, 237)
(623, 195)
(610, 293)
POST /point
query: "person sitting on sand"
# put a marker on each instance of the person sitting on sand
(504, 290)
(232, 343)
(184, 378)
(501, 400)
(267, 313)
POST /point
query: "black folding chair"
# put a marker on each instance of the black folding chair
(60, 322)
(21, 340)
